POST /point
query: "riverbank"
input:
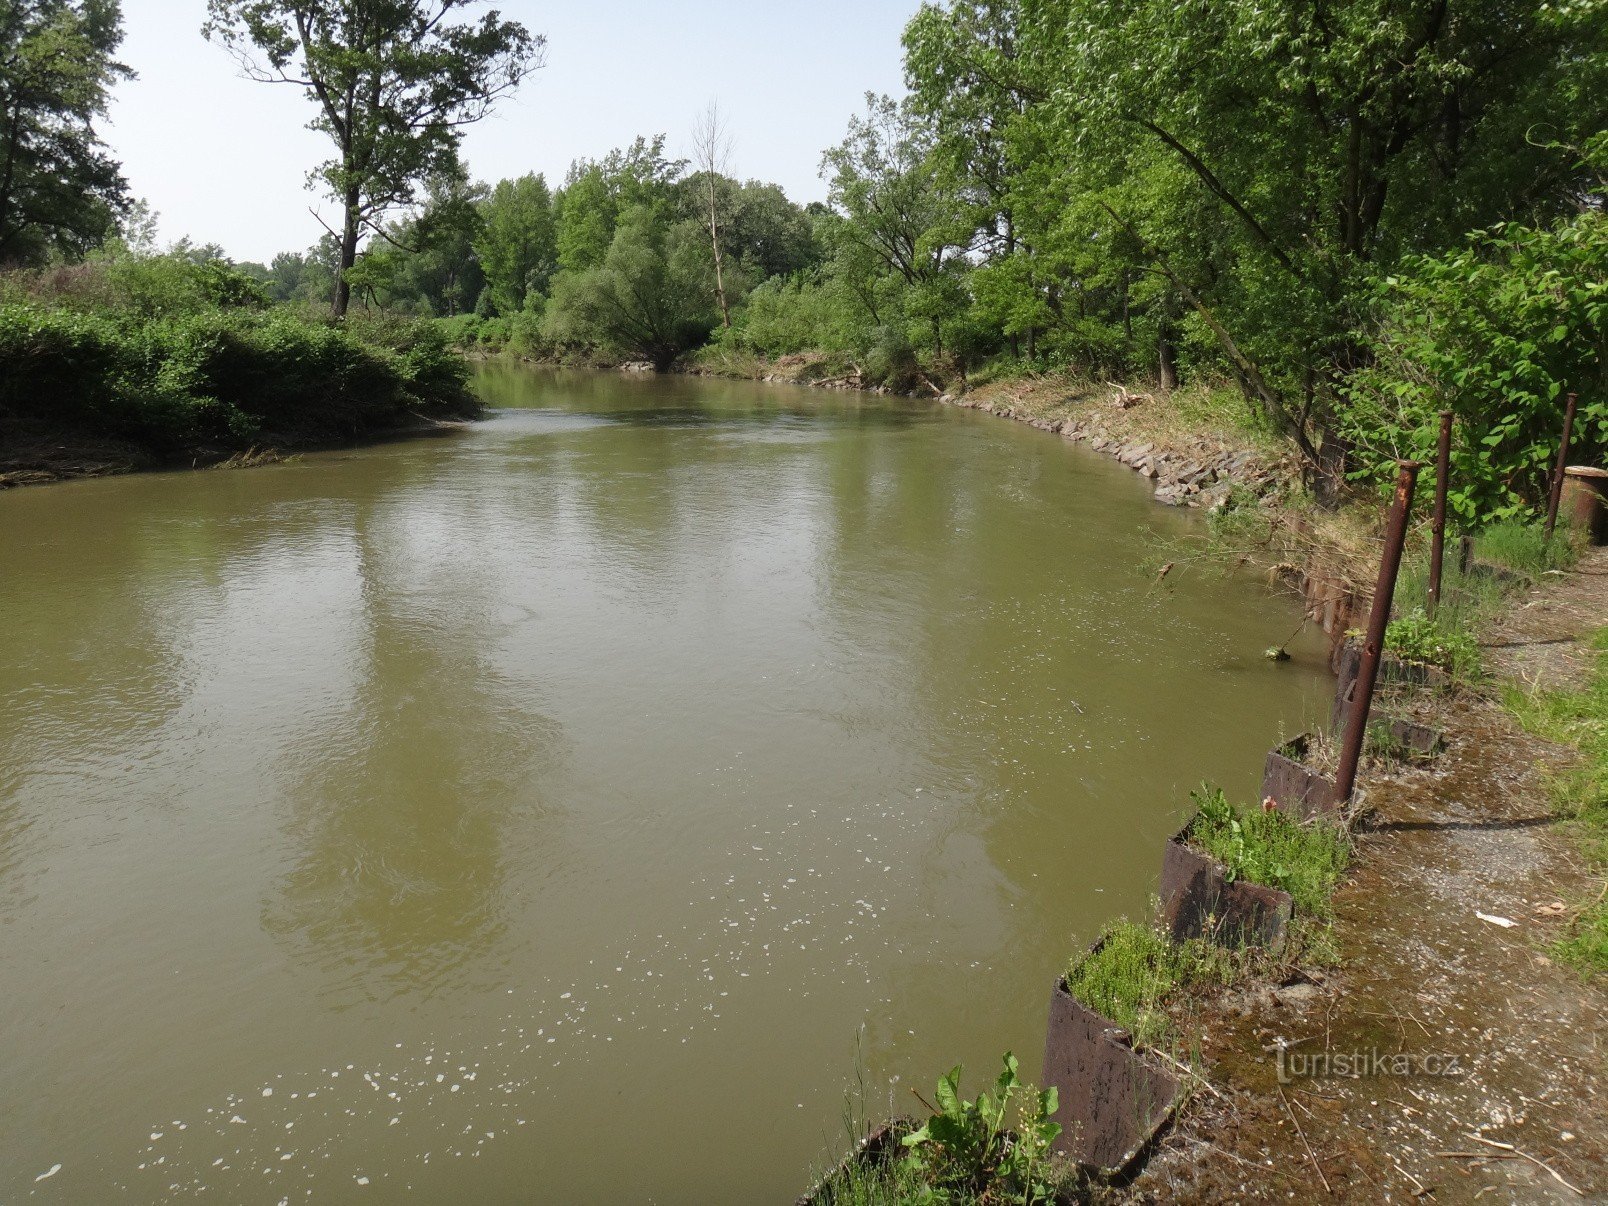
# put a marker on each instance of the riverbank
(1482, 1066)
(1429, 973)
(1420, 973)
(115, 366)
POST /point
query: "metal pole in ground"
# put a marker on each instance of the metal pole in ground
(1557, 472)
(1374, 643)
(1437, 546)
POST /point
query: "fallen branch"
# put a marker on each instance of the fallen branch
(1543, 1166)
(1311, 1155)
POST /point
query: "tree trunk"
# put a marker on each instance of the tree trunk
(714, 241)
(1168, 356)
(349, 233)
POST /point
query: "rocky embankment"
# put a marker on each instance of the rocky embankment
(1189, 472)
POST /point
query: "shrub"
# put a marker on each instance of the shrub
(217, 377)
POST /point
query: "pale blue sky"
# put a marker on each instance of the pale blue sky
(224, 160)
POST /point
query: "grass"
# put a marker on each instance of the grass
(1579, 719)
(1134, 973)
(1523, 547)
(1270, 848)
(878, 1183)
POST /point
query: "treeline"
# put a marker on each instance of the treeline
(1357, 212)
(618, 259)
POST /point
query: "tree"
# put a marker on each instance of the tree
(766, 232)
(596, 193)
(650, 297)
(426, 264)
(395, 84)
(899, 227)
(517, 244)
(711, 153)
(59, 188)
(1327, 141)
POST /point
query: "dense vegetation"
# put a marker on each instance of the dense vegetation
(1358, 213)
(172, 356)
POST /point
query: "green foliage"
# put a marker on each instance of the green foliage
(1267, 847)
(1523, 546)
(1497, 331)
(428, 263)
(651, 297)
(59, 191)
(1579, 718)
(1434, 641)
(517, 242)
(184, 382)
(991, 1149)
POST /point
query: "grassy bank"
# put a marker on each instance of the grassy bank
(161, 360)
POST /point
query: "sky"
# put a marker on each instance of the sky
(225, 160)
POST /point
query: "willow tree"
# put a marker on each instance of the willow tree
(395, 83)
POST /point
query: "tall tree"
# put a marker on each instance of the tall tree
(59, 189)
(711, 154)
(395, 83)
(517, 242)
(899, 226)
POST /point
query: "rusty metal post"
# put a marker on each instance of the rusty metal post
(1373, 645)
(1437, 545)
(1556, 492)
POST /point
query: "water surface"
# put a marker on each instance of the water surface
(574, 807)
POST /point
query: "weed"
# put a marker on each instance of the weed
(1134, 972)
(991, 1149)
(1435, 641)
(1268, 847)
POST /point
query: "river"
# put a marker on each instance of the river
(580, 806)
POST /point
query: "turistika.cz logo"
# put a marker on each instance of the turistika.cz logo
(1363, 1063)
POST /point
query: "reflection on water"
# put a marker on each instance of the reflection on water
(399, 800)
(427, 818)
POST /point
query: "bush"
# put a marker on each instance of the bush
(220, 378)
(1496, 332)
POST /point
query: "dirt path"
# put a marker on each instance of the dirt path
(1427, 986)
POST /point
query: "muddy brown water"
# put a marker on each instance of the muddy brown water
(579, 806)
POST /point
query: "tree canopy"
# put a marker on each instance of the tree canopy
(395, 82)
(60, 189)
